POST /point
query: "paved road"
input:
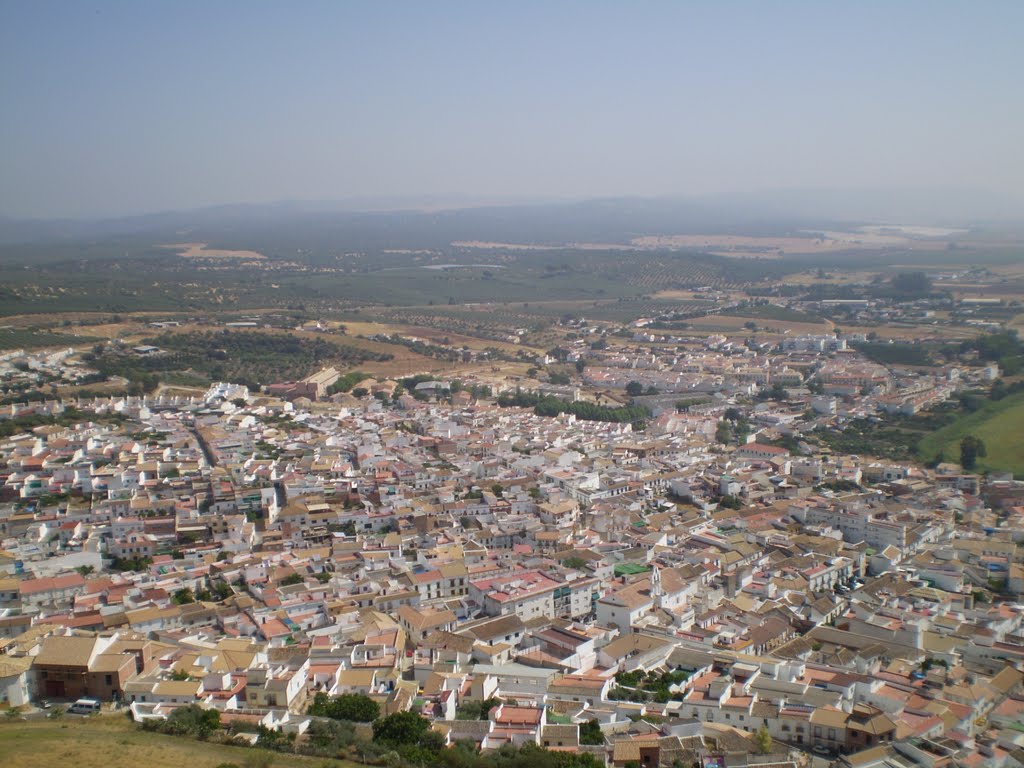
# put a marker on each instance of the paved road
(207, 453)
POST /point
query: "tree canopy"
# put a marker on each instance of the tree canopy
(971, 449)
(355, 707)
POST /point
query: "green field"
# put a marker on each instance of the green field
(111, 741)
(30, 338)
(775, 312)
(999, 424)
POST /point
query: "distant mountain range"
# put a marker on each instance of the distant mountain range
(421, 220)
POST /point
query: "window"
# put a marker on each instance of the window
(108, 679)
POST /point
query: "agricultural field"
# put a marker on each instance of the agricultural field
(112, 741)
(29, 338)
(898, 353)
(999, 424)
(736, 324)
(776, 312)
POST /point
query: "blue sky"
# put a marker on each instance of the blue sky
(125, 107)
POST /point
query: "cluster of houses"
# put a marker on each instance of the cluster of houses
(690, 598)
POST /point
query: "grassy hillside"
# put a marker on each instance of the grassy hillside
(112, 741)
(999, 424)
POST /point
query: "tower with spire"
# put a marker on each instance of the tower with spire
(656, 582)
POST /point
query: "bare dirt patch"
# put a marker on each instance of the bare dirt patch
(200, 251)
(772, 247)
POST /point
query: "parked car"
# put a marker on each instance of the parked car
(85, 707)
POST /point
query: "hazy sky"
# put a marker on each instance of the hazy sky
(122, 107)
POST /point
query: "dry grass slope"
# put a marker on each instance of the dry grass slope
(111, 741)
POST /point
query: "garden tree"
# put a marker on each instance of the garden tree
(291, 578)
(354, 707)
(764, 740)
(574, 562)
(634, 389)
(971, 449)
(183, 596)
(723, 432)
(360, 392)
(477, 710)
(270, 738)
(776, 392)
(400, 729)
(532, 756)
(581, 365)
(590, 733)
(328, 737)
(131, 563)
(191, 720)
(646, 686)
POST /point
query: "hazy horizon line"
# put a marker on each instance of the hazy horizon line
(435, 202)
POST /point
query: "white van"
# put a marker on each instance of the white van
(84, 707)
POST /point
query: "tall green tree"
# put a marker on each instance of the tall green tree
(355, 707)
(400, 729)
(972, 448)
